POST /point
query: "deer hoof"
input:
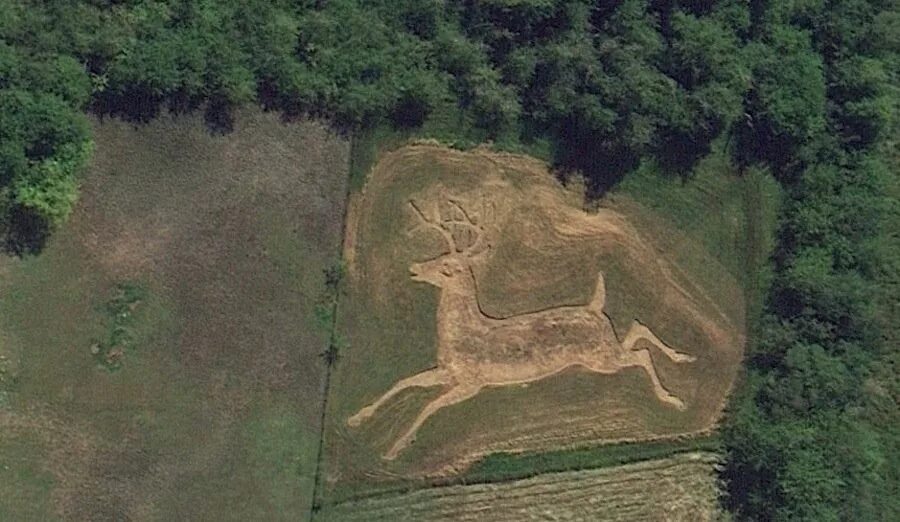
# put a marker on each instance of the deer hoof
(391, 455)
(395, 450)
(683, 358)
(675, 401)
(400, 445)
(360, 416)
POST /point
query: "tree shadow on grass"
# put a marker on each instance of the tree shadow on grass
(219, 117)
(604, 160)
(134, 105)
(602, 163)
(678, 154)
(24, 232)
(139, 106)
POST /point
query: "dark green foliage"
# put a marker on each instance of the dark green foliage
(705, 59)
(44, 142)
(606, 82)
(808, 436)
(786, 105)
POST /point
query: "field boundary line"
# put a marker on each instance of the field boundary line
(332, 340)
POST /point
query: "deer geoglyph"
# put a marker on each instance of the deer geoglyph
(476, 350)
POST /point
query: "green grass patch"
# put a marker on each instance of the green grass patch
(365, 148)
(505, 467)
(728, 213)
(510, 466)
(446, 124)
(121, 312)
(274, 461)
(25, 486)
(732, 216)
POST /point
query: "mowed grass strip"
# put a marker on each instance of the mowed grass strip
(678, 488)
(504, 467)
(509, 466)
(199, 399)
(728, 215)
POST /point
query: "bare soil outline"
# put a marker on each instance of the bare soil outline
(476, 350)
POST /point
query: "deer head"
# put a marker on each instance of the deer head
(464, 236)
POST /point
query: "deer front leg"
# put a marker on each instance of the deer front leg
(432, 377)
(639, 331)
(643, 359)
(455, 395)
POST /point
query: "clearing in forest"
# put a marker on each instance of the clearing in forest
(160, 359)
(486, 311)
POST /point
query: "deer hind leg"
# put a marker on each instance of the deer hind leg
(453, 396)
(639, 331)
(432, 377)
(598, 301)
(642, 358)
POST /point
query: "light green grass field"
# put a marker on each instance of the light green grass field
(213, 411)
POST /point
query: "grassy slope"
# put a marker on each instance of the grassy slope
(731, 217)
(447, 125)
(214, 414)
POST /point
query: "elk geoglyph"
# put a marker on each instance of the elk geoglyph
(476, 350)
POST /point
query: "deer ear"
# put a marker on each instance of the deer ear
(483, 251)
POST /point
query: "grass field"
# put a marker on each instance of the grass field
(161, 359)
(198, 395)
(700, 228)
(680, 488)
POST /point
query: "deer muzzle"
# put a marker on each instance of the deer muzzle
(415, 272)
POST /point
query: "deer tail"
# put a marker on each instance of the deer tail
(598, 301)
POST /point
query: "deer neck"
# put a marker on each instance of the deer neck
(458, 308)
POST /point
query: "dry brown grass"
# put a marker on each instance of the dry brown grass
(680, 488)
(215, 413)
(546, 253)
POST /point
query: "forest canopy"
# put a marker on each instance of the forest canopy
(604, 83)
(805, 89)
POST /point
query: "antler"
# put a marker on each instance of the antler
(447, 227)
(433, 225)
(479, 245)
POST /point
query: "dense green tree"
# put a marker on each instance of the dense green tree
(704, 57)
(786, 107)
(44, 139)
(806, 438)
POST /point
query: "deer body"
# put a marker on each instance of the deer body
(475, 350)
(520, 348)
